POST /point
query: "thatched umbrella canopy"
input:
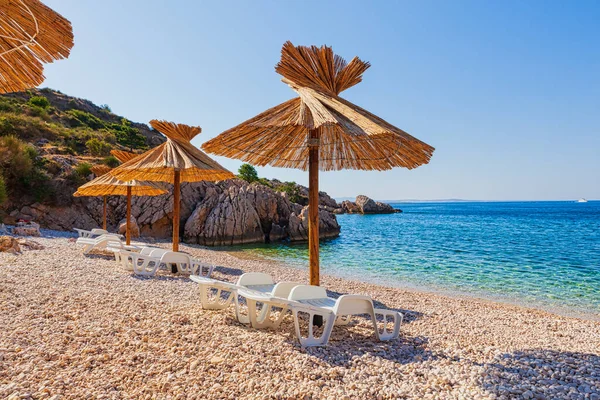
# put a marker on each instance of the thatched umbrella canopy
(319, 130)
(174, 161)
(107, 185)
(30, 34)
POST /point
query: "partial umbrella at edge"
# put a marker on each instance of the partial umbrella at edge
(30, 34)
(319, 130)
(174, 161)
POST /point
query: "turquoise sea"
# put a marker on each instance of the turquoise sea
(541, 254)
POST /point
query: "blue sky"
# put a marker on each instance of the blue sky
(508, 92)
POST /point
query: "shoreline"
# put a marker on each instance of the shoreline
(77, 325)
(564, 311)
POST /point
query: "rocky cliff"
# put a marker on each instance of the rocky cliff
(213, 214)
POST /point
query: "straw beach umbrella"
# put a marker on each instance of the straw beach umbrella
(319, 130)
(107, 185)
(30, 34)
(174, 161)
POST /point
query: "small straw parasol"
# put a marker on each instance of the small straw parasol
(30, 34)
(174, 161)
(319, 130)
(107, 185)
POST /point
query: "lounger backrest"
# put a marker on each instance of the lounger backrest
(146, 251)
(97, 231)
(353, 304)
(154, 252)
(305, 292)
(107, 236)
(254, 278)
(283, 289)
(174, 257)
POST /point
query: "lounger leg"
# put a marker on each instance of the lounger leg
(384, 334)
(243, 319)
(215, 304)
(310, 340)
(263, 320)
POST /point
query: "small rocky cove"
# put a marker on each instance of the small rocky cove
(224, 213)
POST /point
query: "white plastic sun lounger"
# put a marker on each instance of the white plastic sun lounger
(250, 284)
(258, 288)
(313, 300)
(148, 261)
(90, 234)
(100, 243)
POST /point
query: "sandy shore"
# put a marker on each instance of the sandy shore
(75, 326)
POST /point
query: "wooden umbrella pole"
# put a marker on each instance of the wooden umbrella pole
(176, 205)
(313, 206)
(104, 214)
(128, 224)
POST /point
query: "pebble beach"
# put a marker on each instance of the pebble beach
(75, 326)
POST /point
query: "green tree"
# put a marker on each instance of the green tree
(248, 173)
(129, 136)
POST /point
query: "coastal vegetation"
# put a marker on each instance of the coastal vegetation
(49, 140)
(249, 174)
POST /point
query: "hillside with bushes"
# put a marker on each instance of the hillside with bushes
(49, 141)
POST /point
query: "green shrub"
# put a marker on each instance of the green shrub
(111, 161)
(265, 181)
(106, 108)
(15, 158)
(248, 173)
(82, 118)
(39, 101)
(110, 137)
(128, 136)
(8, 105)
(98, 147)
(3, 191)
(83, 169)
(293, 192)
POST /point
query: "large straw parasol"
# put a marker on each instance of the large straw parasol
(107, 185)
(174, 161)
(30, 34)
(319, 130)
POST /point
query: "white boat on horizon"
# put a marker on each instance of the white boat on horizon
(582, 200)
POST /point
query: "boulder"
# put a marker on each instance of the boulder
(349, 207)
(298, 226)
(9, 244)
(366, 205)
(133, 227)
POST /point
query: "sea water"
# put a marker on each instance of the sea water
(541, 254)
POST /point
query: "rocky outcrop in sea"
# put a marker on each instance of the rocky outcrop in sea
(365, 205)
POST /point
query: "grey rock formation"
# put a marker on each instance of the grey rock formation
(366, 205)
(213, 214)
